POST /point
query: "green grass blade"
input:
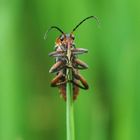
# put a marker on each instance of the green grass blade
(69, 109)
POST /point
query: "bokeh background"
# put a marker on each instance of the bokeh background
(30, 109)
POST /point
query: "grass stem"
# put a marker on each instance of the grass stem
(69, 108)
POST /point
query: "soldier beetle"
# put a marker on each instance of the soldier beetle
(66, 57)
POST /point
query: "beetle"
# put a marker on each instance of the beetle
(66, 57)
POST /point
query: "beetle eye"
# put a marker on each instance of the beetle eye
(62, 38)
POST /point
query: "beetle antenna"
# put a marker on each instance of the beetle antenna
(84, 21)
(52, 27)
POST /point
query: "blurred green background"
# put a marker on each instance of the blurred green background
(30, 109)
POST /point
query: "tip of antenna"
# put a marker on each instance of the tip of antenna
(45, 36)
(98, 21)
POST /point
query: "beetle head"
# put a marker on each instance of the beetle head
(65, 40)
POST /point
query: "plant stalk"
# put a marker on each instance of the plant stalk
(69, 108)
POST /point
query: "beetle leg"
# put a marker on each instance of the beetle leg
(60, 79)
(56, 79)
(75, 90)
(80, 64)
(56, 54)
(56, 67)
(82, 80)
(79, 51)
